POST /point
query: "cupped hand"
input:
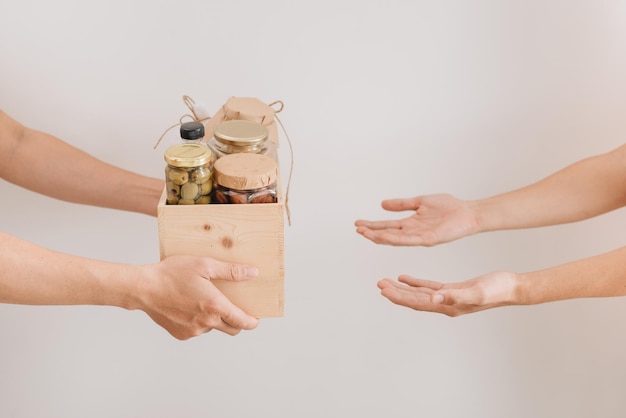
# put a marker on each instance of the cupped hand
(484, 292)
(437, 219)
(179, 296)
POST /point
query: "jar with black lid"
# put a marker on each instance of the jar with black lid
(242, 136)
(189, 174)
(192, 133)
(245, 178)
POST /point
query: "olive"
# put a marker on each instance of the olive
(189, 191)
(203, 200)
(178, 177)
(205, 188)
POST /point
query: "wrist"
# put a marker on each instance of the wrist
(482, 216)
(121, 286)
(522, 293)
(146, 195)
(136, 288)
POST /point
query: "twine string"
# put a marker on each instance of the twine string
(290, 168)
(189, 102)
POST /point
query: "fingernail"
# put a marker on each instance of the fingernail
(252, 271)
(437, 298)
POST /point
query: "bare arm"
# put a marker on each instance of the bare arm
(176, 293)
(585, 189)
(603, 275)
(599, 276)
(582, 190)
(44, 164)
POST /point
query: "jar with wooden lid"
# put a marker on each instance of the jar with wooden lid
(189, 174)
(242, 136)
(245, 178)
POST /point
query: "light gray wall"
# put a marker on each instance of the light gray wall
(382, 99)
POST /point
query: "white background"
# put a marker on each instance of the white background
(382, 99)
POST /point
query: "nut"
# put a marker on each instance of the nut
(238, 197)
(221, 197)
(263, 197)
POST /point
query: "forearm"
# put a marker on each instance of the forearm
(33, 275)
(47, 165)
(599, 276)
(580, 191)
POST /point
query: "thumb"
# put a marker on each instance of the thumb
(233, 272)
(402, 204)
(466, 296)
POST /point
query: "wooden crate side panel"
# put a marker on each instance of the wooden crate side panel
(250, 234)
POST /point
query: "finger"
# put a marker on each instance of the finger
(385, 283)
(219, 270)
(227, 329)
(391, 237)
(222, 310)
(467, 296)
(419, 301)
(236, 318)
(414, 282)
(408, 297)
(399, 205)
(377, 225)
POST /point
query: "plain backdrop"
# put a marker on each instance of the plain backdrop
(382, 99)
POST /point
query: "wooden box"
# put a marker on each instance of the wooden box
(249, 234)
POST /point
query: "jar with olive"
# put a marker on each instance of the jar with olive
(245, 178)
(189, 174)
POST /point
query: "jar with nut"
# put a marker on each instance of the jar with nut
(242, 136)
(246, 178)
(189, 174)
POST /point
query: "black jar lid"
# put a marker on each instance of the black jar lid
(192, 130)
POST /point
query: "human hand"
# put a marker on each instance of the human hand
(437, 219)
(484, 292)
(179, 296)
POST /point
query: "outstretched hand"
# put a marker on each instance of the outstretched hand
(484, 292)
(437, 219)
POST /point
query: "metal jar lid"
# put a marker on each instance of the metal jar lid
(187, 155)
(240, 132)
(245, 171)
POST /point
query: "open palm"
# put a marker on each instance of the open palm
(453, 299)
(437, 219)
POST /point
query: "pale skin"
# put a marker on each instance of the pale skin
(584, 189)
(176, 293)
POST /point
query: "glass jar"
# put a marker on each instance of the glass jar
(242, 136)
(189, 174)
(192, 133)
(245, 178)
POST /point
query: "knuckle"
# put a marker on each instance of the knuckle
(237, 272)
